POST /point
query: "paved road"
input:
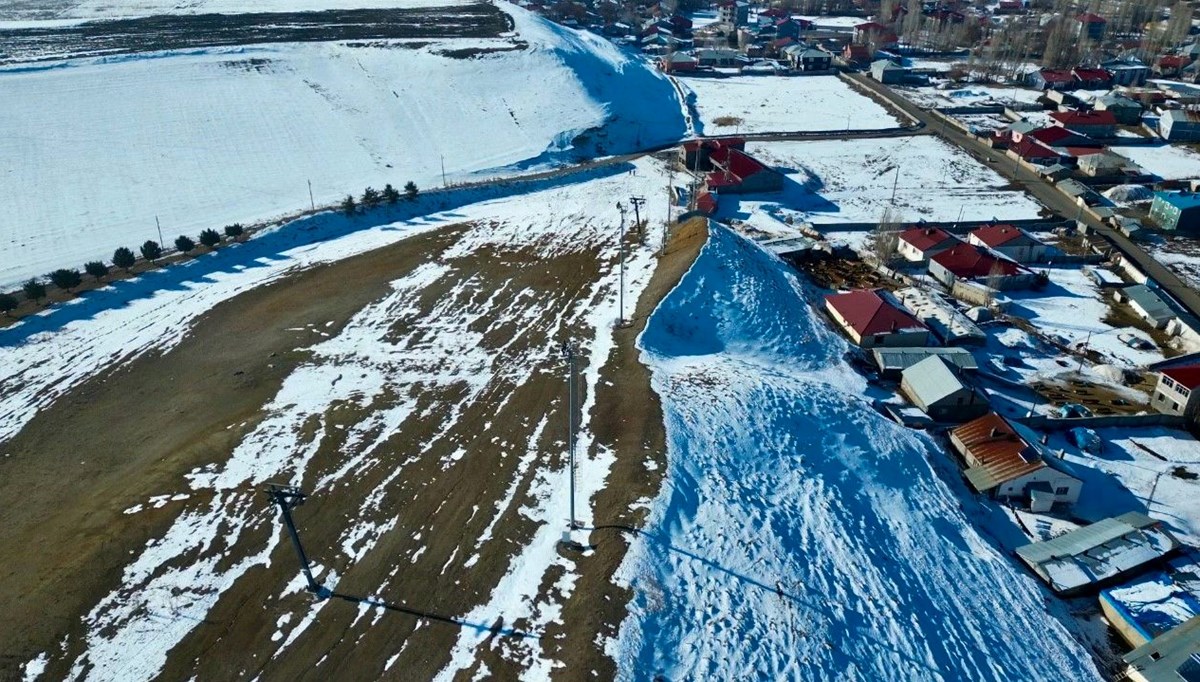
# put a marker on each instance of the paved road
(1044, 192)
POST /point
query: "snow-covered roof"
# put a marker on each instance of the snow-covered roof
(1101, 551)
(1158, 602)
(939, 315)
(1173, 656)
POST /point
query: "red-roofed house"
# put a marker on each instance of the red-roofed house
(875, 33)
(1090, 123)
(706, 202)
(1092, 78)
(1051, 79)
(969, 262)
(1031, 150)
(736, 172)
(871, 318)
(918, 244)
(1010, 241)
(1091, 26)
(858, 55)
(696, 152)
(1176, 391)
(1171, 65)
(1055, 136)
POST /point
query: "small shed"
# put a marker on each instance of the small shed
(893, 361)
(1147, 304)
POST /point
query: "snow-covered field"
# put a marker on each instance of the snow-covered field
(205, 139)
(1182, 256)
(1135, 471)
(128, 631)
(969, 95)
(1170, 162)
(801, 535)
(850, 181)
(783, 104)
(34, 10)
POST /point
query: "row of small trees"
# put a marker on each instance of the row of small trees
(68, 279)
(372, 197)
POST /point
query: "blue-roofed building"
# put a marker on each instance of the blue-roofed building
(1156, 603)
(1176, 211)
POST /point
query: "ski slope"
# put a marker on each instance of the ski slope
(799, 534)
(211, 137)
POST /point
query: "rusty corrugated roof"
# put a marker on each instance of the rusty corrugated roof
(997, 453)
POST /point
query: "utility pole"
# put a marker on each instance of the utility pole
(621, 286)
(288, 498)
(895, 183)
(443, 159)
(160, 237)
(311, 202)
(569, 354)
(637, 214)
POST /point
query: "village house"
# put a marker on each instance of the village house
(810, 59)
(917, 244)
(696, 152)
(734, 13)
(1031, 151)
(1170, 65)
(936, 388)
(1109, 164)
(1175, 392)
(1179, 125)
(1090, 123)
(736, 172)
(1146, 304)
(892, 361)
(1003, 464)
(677, 62)
(945, 321)
(1126, 111)
(970, 263)
(1171, 657)
(857, 55)
(1176, 211)
(719, 57)
(1127, 70)
(1051, 79)
(872, 318)
(875, 34)
(1091, 79)
(1099, 554)
(1091, 26)
(888, 72)
(1010, 241)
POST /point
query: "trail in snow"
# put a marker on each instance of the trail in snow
(798, 534)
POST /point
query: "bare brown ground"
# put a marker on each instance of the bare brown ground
(133, 433)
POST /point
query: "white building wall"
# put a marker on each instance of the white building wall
(1047, 474)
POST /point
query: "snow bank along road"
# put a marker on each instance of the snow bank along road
(800, 535)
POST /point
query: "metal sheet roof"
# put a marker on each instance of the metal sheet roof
(999, 453)
(1081, 540)
(931, 380)
(888, 358)
(1167, 657)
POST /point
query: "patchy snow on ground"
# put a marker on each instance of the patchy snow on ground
(1181, 255)
(1071, 309)
(852, 181)
(832, 22)
(1168, 161)
(783, 104)
(800, 534)
(207, 138)
(1147, 469)
(160, 600)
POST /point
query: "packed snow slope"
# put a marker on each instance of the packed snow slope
(799, 534)
(217, 136)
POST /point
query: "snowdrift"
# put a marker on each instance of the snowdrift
(93, 151)
(800, 535)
